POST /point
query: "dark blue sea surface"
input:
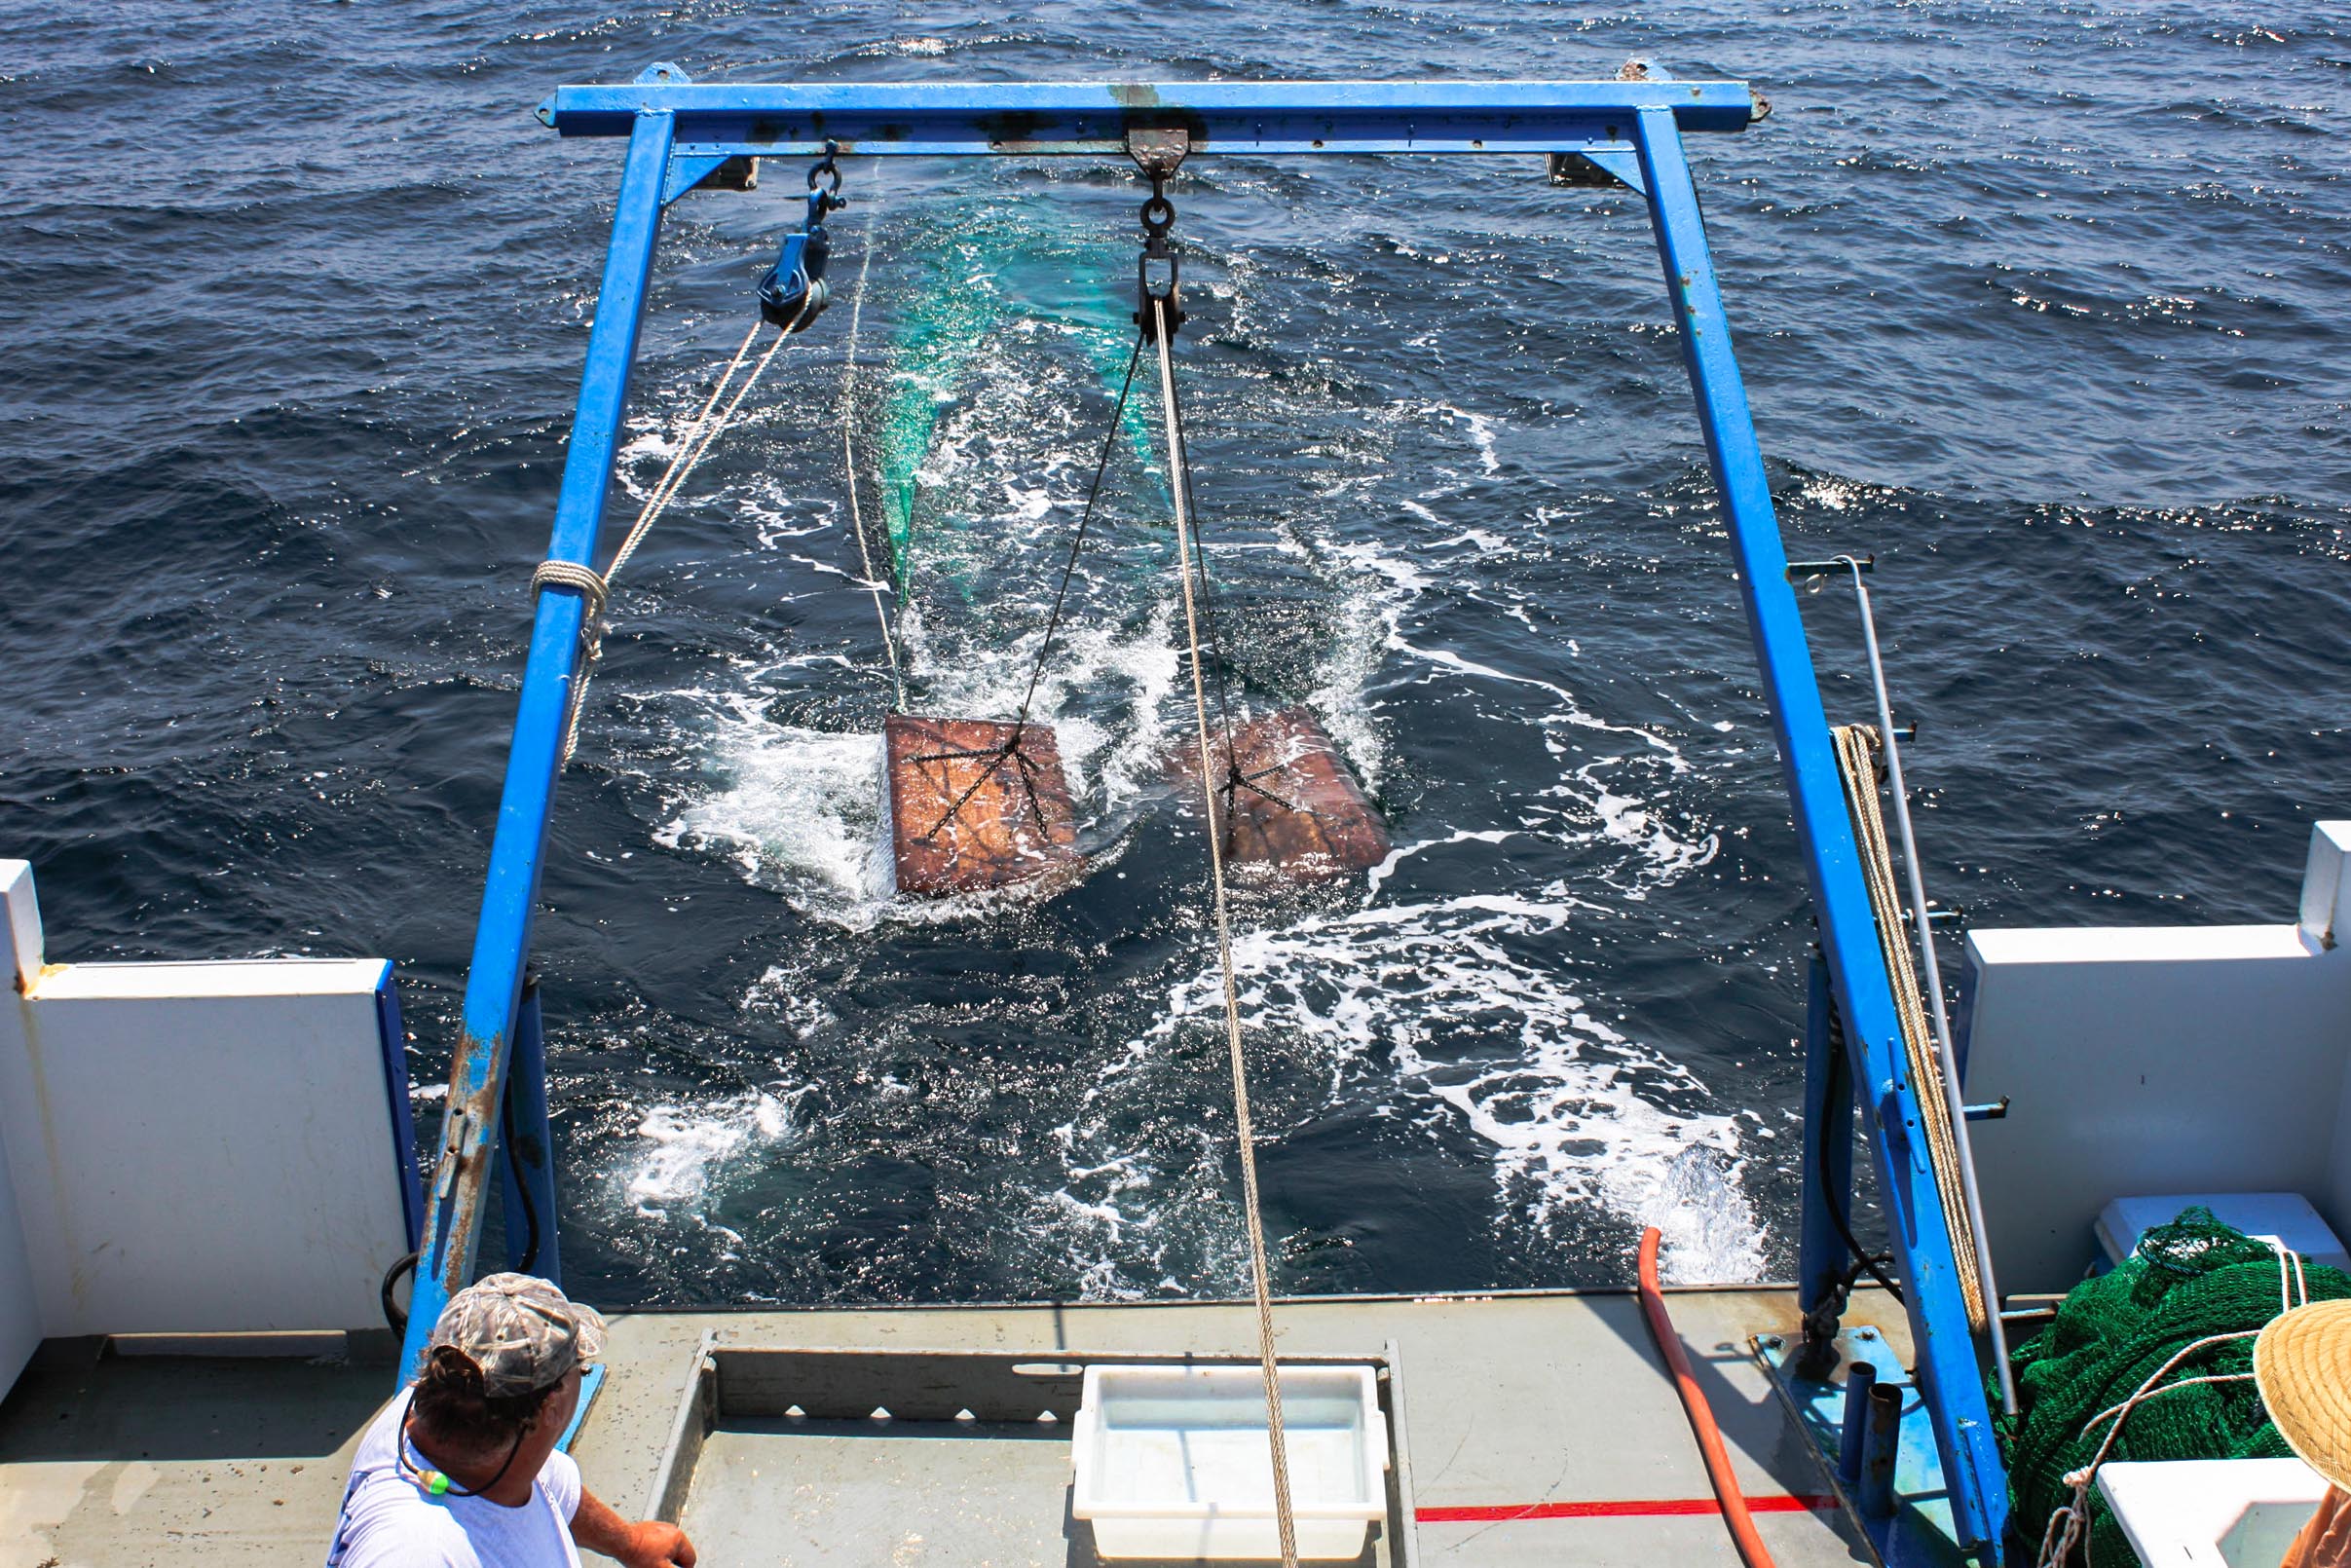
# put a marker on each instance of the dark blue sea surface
(2045, 304)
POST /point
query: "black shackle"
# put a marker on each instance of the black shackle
(1158, 270)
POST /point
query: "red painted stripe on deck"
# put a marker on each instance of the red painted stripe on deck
(1613, 1508)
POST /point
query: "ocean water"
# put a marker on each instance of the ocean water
(2042, 303)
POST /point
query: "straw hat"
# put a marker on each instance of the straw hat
(2302, 1366)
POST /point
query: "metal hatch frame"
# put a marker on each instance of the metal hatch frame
(679, 132)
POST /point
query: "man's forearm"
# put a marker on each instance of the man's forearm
(650, 1545)
(595, 1527)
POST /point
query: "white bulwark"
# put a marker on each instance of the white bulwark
(2179, 1059)
(194, 1147)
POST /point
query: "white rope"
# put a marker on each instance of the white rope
(848, 458)
(687, 445)
(1276, 1439)
(700, 436)
(2065, 1526)
(2287, 1289)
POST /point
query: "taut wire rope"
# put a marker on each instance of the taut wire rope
(700, 436)
(1077, 540)
(1010, 750)
(848, 459)
(1234, 780)
(1284, 1525)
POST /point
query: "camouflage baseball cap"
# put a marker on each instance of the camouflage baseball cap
(520, 1331)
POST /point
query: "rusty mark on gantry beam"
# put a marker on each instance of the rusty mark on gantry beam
(1016, 125)
(463, 1179)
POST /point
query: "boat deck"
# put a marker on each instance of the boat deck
(1536, 1428)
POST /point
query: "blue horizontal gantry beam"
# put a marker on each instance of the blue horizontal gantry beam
(1093, 118)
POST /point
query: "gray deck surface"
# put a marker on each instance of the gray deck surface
(1511, 1401)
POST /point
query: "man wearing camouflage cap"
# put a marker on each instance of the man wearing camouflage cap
(461, 1471)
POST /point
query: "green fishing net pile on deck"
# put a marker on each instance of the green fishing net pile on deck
(2189, 1279)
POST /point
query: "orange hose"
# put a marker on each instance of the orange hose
(1750, 1545)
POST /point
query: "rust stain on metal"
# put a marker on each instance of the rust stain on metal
(976, 804)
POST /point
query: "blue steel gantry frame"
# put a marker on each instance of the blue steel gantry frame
(679, 132)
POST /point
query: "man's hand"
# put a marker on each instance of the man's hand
(647, 1545)
(654, 1545)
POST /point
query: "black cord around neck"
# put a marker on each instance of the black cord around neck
(448, 1486)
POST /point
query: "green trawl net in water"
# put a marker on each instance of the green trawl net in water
(2188, 1280)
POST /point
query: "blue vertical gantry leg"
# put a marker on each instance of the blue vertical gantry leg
(525, 1150)
(502, 938)
(1948, 1370)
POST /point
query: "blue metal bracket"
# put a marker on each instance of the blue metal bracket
(591, 1384)
(1828, 1150)
(686, 171)
(716, 172)
(1621, 166)
(1949, 1372)
(393, 1041)
(1918, 1533)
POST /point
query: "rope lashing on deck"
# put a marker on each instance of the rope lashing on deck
(1856, 748)
(1261, 1289)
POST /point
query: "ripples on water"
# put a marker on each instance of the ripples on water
(2041, 303)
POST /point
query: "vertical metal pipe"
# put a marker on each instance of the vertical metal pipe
(1938, 1313)
(1828, 1163)
(502, 937)
(1881, 1447)
(1930, 975)
(525, 1149)
(1859, 1379)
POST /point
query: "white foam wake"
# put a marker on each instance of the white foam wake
(1456, 1004)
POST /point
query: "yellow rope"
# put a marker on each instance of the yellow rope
(1856, 748)
(1276, 1439)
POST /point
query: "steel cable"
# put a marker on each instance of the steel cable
(1260, 1288)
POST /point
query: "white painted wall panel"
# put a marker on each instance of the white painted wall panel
(2151, 1061)
(19, 963)
(201, 1148)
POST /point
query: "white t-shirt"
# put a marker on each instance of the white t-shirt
(390, 1521)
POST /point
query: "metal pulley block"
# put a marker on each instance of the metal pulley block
(792, 292)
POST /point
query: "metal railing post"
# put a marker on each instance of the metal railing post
(1938, 1315)
(455, 1199)
(1828, 1165)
